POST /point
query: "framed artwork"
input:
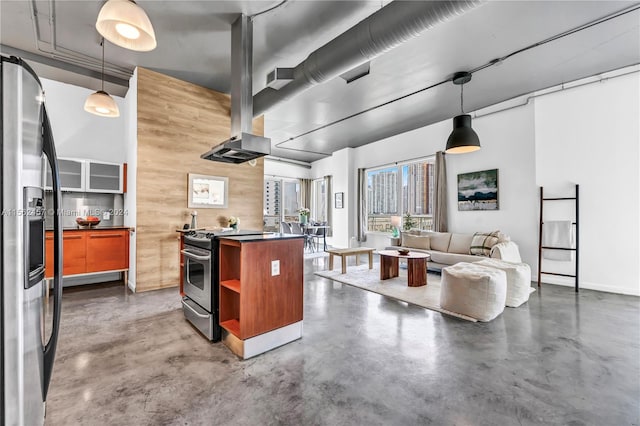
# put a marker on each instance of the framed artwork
(208, 192)
(478, 190)
(339, 200)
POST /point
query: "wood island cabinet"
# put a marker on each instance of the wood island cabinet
(89, 251)
(261, 292)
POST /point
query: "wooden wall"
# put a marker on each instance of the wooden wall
(177, 122)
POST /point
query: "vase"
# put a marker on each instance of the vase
(303, 219)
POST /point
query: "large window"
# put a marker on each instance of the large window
(281, 202)
(404, 190)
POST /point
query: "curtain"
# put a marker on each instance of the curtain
(441, 210)
(305, 193)
(362, 205)
(327, 191)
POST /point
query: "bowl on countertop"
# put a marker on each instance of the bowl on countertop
(403, 252)
(88, 221)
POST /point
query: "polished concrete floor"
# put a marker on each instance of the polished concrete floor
(132, 359)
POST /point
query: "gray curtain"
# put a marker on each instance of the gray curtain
(305, 193)
(441, 209)
(328, 192)
(362, 205)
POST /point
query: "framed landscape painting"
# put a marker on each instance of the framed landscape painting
(478, 190)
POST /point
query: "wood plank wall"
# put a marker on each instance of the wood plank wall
(177, 122)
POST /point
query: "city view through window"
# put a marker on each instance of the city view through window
(398, 191)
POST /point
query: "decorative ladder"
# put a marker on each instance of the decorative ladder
(576, 249)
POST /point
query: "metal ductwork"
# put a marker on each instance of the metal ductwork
(243, 145)
(387, 28)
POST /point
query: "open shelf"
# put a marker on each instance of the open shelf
(232, 326)
(233, 285)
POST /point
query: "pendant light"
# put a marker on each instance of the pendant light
(126, 24)
(100, 103)
(463, 139)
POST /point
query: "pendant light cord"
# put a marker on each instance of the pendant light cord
(102, 44)
(462, 98)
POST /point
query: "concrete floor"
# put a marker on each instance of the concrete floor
(563, 359)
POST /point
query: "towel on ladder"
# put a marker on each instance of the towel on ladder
(557, 233)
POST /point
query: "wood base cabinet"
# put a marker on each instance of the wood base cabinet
(256, 295)
(90, 251)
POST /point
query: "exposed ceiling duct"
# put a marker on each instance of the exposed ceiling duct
(382, 31)
(243, 145)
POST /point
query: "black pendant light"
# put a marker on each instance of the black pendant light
(463, 139)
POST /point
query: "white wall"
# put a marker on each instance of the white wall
(340, 166)
(508, 144)
(282, 169)
(590, 136)
(587, 135)
(131, 155)
(80, 134)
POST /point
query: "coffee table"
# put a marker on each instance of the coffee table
(416, 264)
(355, 251)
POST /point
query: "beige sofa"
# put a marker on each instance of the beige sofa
(448, 248)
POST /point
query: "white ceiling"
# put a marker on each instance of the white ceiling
(194, 45)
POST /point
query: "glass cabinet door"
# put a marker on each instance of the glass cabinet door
(71, 175)
(103, 177)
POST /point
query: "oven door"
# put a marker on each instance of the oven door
(197, 275)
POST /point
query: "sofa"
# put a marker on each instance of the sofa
(447, 248)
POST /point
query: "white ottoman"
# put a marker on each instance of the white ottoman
(473, 290)
(518, 280)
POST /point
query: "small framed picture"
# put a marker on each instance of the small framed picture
(208, 192)
(339, 200)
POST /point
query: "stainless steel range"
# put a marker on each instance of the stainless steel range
(201, 274)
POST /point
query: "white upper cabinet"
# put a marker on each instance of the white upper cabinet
(103, 177)
(72, 174)
(87, 176)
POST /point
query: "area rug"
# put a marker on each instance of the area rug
(369, 279)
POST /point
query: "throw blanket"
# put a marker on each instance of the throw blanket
(558, 233)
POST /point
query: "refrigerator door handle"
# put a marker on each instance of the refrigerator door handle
(50, 348)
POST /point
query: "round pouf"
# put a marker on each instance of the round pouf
(518, 280)
(473, 290)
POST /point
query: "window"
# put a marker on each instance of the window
(400, 190)
(281, 201)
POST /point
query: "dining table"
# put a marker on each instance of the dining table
(309, 228)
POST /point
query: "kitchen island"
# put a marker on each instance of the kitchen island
(261, 291)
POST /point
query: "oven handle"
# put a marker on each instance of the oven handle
(195, 256)
(185, 304)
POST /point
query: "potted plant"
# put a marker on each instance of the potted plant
(234, 221)
(408, 222)
(303, 214)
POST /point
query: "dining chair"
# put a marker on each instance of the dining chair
(286, 228)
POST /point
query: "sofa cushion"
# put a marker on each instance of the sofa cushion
(439, 240)
(460, 243)
(482, 243)
(452, 258)
(415, 241)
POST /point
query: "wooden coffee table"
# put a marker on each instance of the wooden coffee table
(416, 263)
(355, 251)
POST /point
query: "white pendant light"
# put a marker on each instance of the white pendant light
(100, 103)
(126, 24)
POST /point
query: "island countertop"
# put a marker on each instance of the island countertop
(263, 237)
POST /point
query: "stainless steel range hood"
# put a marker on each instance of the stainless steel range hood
(243, 145)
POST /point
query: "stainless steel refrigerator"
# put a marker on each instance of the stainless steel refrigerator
(25, 137)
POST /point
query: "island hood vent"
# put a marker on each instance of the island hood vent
(243, 145)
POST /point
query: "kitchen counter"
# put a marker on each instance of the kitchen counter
(263, 237)
(95, 228)
(261, 291)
